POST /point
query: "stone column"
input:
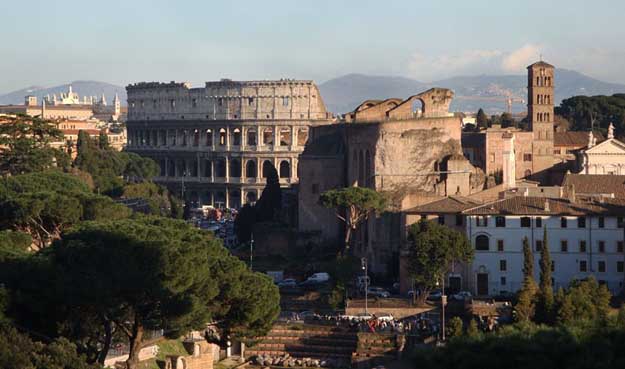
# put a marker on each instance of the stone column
(243, 199)
(258, 138)
(276, 137)
(199, 165)
(227, 159)
(243, 138)
(212, 198)
(293, 171)
(259, 169)
(227, 138)
(227, 192)
(166, 167)
(212, 171)
(293, 141)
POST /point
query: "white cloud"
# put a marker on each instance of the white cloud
(517, 60)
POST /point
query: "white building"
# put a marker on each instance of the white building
(608, 157)
(585, 239)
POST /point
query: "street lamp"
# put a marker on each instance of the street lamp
(443, 301)
(363, 263)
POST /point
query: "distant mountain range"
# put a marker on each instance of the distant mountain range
(344, 93)
(82, 88)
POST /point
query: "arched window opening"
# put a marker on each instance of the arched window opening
(416, 108)
(482, 243)
(268, 136)
(236, 137)
(302, 136)
(196, 137)
(250, 196)
(251, 137)
(235, 168)
(208, 137)
(220, 199)
(181, 168)
(267, 166)
(205, 198)
(222, 137)
(235, 199)
(194, 199)
(250, 169)
(163, 134)
(285, 169)
(184, 137)
(162, 167)
(220, 168)
(285, 136)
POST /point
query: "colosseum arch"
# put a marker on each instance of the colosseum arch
(267, 165)
(285, 169)
(251, 169)
(235, 168)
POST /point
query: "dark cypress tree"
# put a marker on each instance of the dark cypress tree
(481, 120)
(103, 141)
(526, 304)
(546, 299)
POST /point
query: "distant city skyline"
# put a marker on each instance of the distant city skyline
(123, 42)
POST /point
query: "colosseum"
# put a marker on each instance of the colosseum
(215, 144)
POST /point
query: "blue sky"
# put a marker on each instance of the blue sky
(50, 42)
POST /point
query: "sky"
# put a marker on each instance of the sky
(46, 43)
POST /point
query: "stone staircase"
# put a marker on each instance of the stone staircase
(328, 342)
(306, 340)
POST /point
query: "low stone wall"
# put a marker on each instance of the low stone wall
(146, 353)
(381, 307)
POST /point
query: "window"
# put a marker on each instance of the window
(285, 101)
(481, 243)
(564, 246)
(581, 222)
(527, 157)
(424, 217)
(220, 102)
(500, 221)
(315, 188)
(563, 223)
(503, 265)
(526, 222)
(583, 266)
(500, 245)
(502, 281)
(492, 158)
(619, 222)
(250, 101)
(582, 246)
(441, 219)
(619, 266)
(601, 246)
(556, 151)
(601, 222)
(539, 245)
(539, 222)
(481, 221)
(194, 103)
(601, 266)
(553, 267)
(620, 246)
(459, 218)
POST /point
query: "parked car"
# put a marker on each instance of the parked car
(287, 283)
(378, 292)
(462, 296)
(435, 295)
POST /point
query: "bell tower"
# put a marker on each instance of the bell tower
(540, 87)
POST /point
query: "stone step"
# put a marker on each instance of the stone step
(309, 348)
(298, 354)
(311, 340)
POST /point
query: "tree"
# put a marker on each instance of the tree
(18, 351)
(507, 120)
(103, 141)
(24, 145)
(138, 168)
(472, 330)
(454, 327)
(481, 119)
(13, 244)
(353, 206)
(526, 306)
(156, 273)
(432, 248)
(584, 301)
(158, 197)
(594, 112)
(44, 204)
(545, 295)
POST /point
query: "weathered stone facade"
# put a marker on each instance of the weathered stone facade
(215, 143)
(410, 157)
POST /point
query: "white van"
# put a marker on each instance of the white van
(318, 278)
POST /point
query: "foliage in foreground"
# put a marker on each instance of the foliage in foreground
(530, 347)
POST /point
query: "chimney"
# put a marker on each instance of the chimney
(547, 205)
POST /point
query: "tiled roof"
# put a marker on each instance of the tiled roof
(522, 205)
(573, 138)
(541, 64)
(451, 204)
(595, 184)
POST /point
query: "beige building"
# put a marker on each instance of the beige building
(216, 143)
(608, 157)
(534, 148)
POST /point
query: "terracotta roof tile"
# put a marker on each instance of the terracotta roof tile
(596, 184)
(452, 204)
(573, 138)
(522, 205)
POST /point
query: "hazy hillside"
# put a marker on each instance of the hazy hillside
(344, 93)
(82, 88)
